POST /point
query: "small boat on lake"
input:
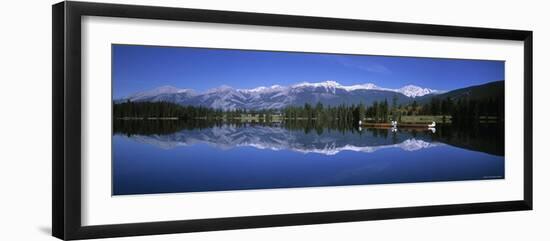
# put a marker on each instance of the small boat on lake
(395, 124)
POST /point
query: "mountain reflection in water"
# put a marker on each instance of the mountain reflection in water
(309, 137)
(169, 156)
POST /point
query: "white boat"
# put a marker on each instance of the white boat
(432, 125)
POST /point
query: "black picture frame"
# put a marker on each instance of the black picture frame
(66, 158)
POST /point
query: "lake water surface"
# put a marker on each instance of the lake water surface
(174, 157)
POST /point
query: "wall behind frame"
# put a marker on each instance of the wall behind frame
(25, 126)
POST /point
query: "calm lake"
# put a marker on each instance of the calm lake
(174, 157)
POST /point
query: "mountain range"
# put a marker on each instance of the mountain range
(276, 97)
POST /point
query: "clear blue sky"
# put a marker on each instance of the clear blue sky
(139, 68)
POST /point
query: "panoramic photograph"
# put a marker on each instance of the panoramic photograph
(188, 119)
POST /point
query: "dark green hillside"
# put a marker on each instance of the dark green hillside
(492, 90)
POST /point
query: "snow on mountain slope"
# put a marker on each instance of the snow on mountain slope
(263, 89)
(158, 91)
(415, 91)
(331, 86)
(277, 96)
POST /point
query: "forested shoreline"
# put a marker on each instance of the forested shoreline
(459, 111)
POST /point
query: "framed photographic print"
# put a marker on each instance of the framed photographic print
(170, 120)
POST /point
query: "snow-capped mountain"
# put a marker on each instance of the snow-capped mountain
(277, 96)
(157, 93)
(407, 90)
(263, 89)
(332, 86)
(415, 91)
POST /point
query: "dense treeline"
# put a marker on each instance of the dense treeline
(170, 110)
(341, 113)
(461, 111)
(161, 110)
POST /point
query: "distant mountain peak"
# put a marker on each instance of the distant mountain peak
(367, 86)
(220, 88)
(415, 91)
(263, 89)
(165, 89)
(408, 90)
(328, 92)
(332, 85)
(327, 84)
